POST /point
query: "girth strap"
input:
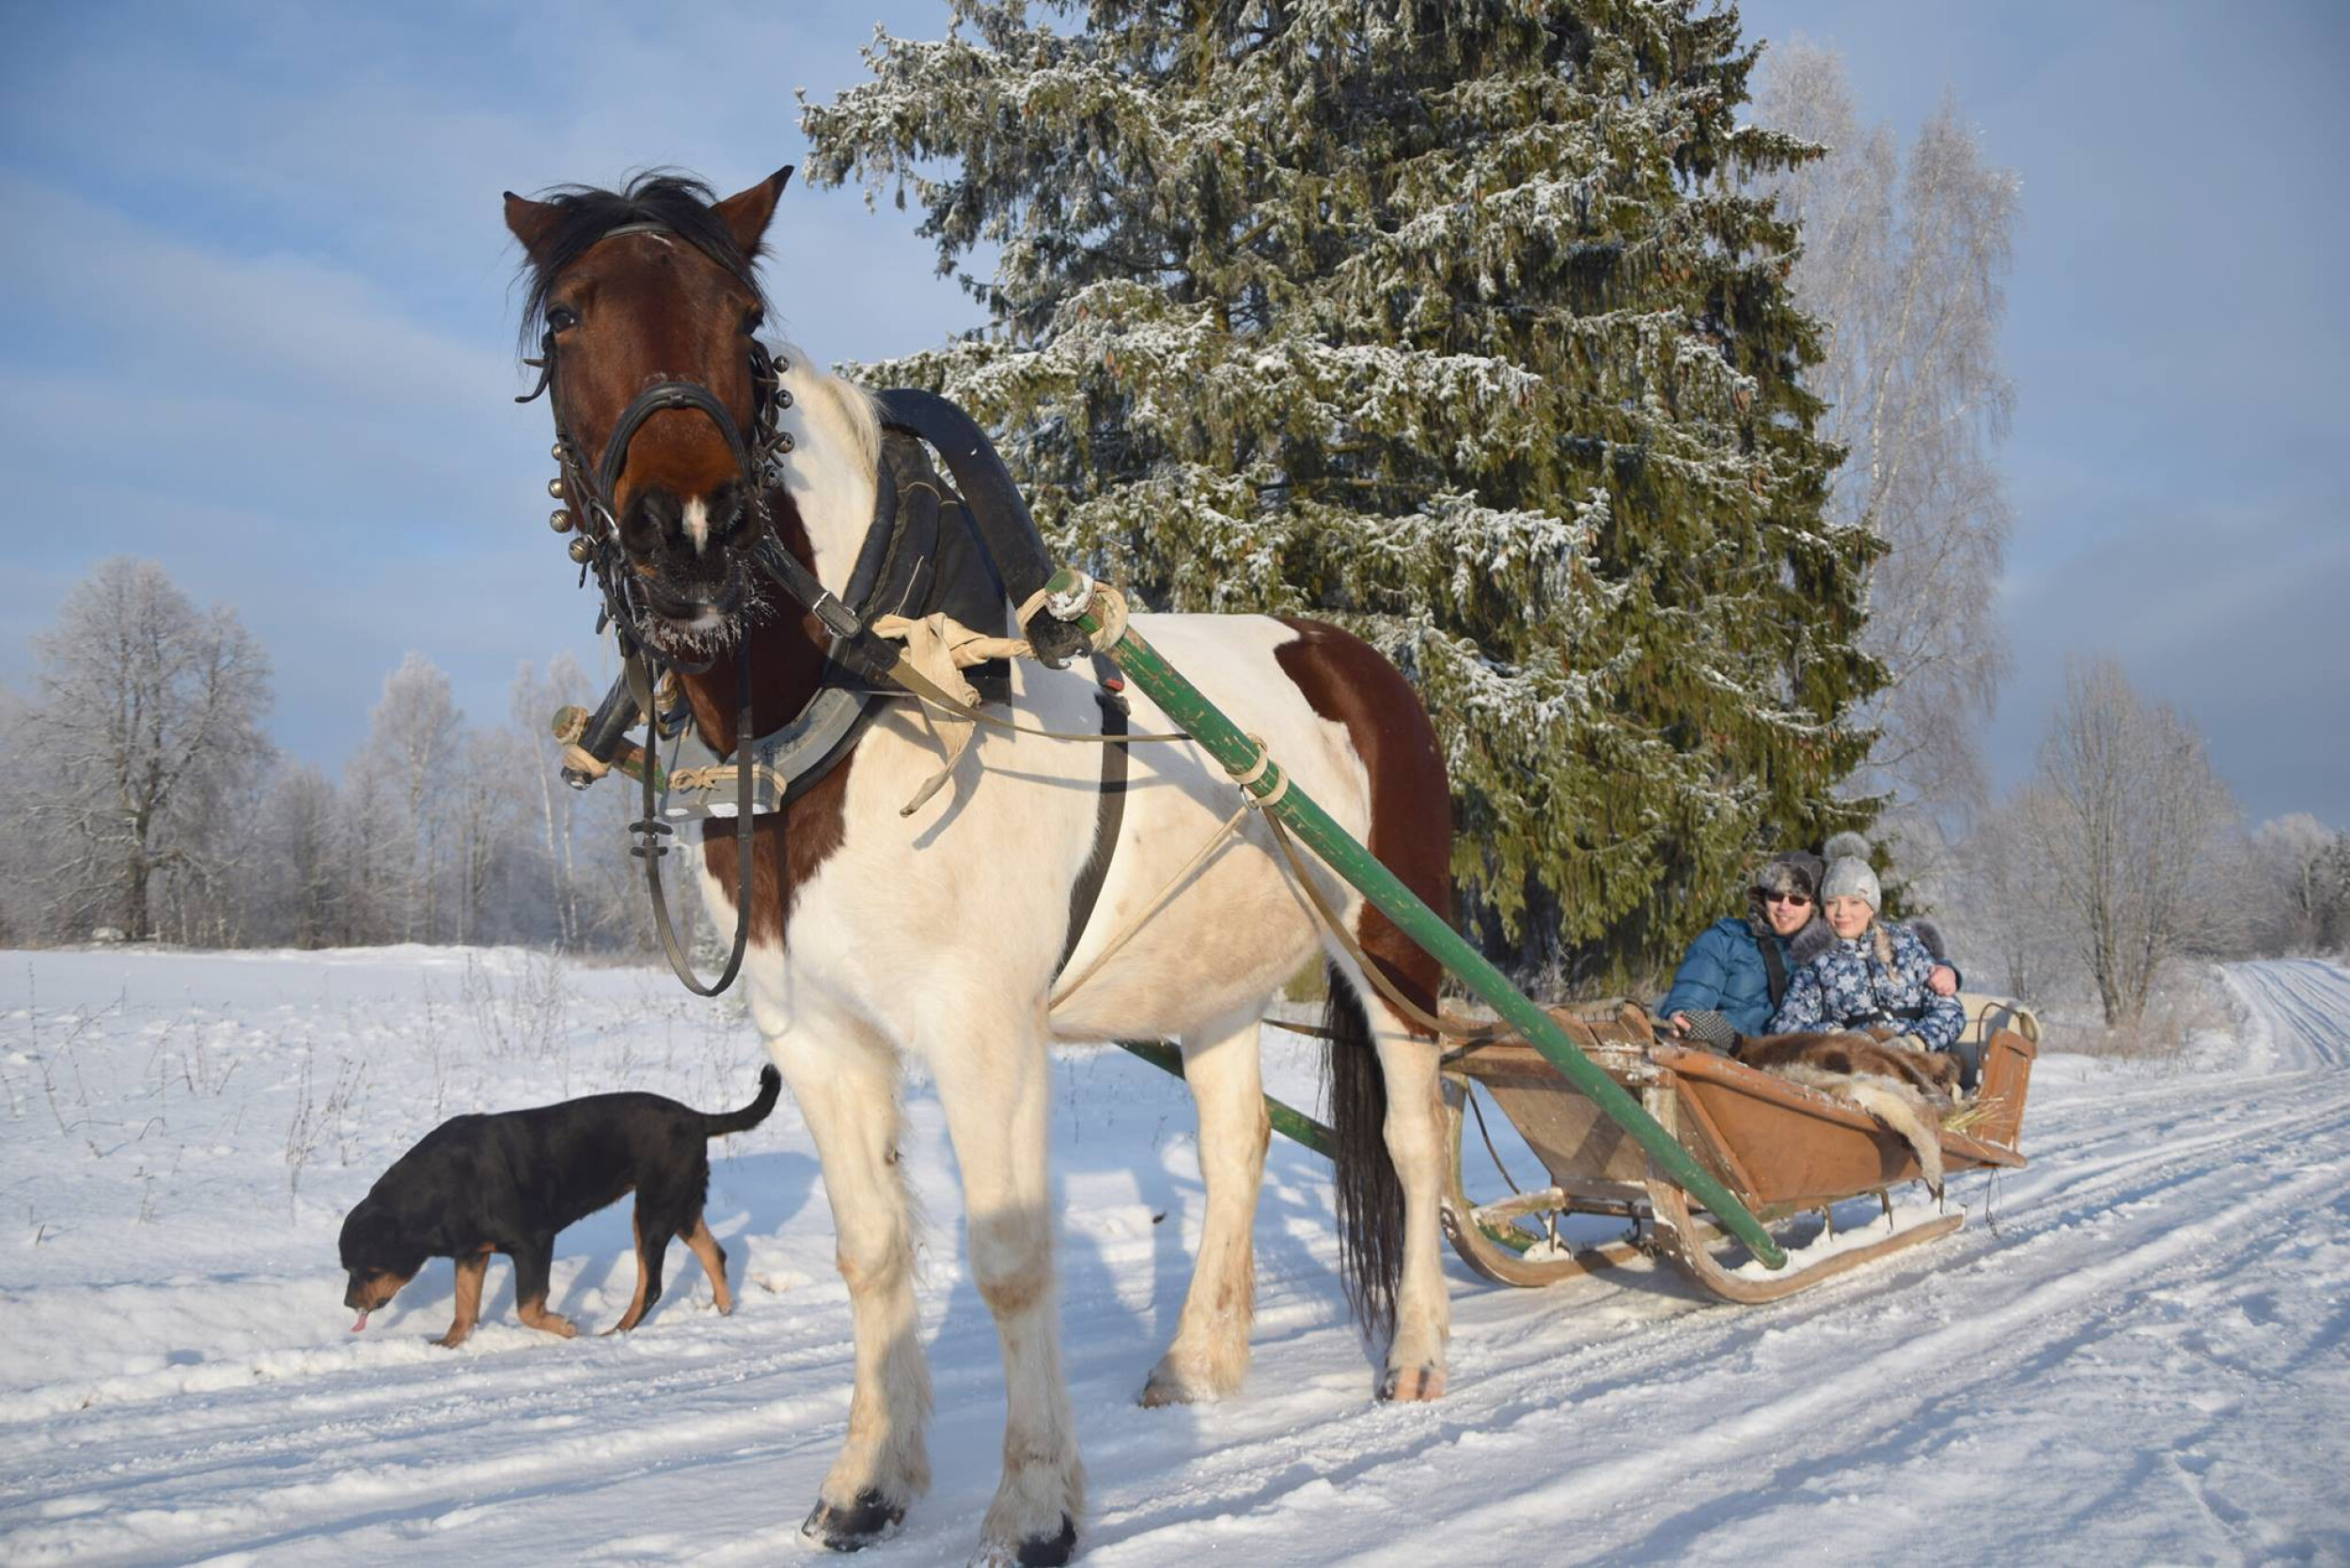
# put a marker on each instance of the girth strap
(1109, 814)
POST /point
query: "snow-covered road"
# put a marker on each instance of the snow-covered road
(2299, 1009)
(2138, 1349)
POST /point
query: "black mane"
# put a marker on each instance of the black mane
(585, 214)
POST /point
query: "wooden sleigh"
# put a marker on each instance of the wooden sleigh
(1779, 1148)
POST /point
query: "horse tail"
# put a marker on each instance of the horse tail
(1369, 1195)
(1350, 683)
(723, 1122)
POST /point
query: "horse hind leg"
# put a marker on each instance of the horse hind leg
(1386, 1111)
(845, 1082)
(1209, 1353)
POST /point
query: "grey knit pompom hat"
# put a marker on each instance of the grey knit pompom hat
(1851, 878)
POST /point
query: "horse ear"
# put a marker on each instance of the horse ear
(531, 222)
(745, 212)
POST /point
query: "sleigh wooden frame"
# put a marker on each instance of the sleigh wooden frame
(1779, 1148)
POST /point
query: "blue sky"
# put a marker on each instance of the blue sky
(256, 321)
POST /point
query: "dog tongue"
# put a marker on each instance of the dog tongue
(361, 1324)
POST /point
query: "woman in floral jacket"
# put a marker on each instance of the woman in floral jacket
(1873, 973)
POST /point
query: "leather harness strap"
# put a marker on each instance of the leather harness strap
(1109, 814)
(1774, 968)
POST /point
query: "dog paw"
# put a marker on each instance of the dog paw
(869, 1518)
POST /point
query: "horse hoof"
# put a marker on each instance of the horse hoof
(1039, 1551)
(869, 1518)
(1412, 1384)
(1160, 1392)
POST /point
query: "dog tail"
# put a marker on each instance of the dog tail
(770, 1085)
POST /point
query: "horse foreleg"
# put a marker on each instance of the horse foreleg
(1415, 1137)
(1210, 1355)
(846, 1085)
(991, 1081)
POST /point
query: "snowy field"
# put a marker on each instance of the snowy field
(2139, 1350)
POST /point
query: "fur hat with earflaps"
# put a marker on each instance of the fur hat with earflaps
(1796, 871)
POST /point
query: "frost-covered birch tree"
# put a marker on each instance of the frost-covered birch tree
(532, 700)
(2300, 885)
(1460, 323)
(1905, 262)
(147, 724)
(2131, 829)
(411, 743)
(293, 882)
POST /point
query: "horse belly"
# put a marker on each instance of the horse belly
(1236, 928)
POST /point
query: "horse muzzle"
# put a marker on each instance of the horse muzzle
(700, 605)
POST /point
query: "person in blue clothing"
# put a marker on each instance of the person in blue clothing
(1872, 976)
(1735, 975)
(1737, 969)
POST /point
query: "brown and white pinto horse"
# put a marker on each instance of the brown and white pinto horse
(878, 937)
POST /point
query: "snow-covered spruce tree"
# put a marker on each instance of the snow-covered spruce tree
(1449, 322)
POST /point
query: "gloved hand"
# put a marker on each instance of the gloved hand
(1709, 1029)
(1053, 640)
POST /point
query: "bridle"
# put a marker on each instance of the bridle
(758, 463)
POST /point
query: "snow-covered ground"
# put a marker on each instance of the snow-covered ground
(2135, 1352)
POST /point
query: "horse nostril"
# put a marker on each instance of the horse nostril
(729, 519)
(650, 520)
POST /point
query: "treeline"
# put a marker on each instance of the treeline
(2126, 853)
(142, 797)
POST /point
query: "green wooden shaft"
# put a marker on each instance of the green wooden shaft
(1205, 723)
(1288, 1120)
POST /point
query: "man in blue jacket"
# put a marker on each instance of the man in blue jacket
(1738, 968)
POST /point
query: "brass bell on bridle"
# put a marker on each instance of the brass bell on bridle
(581, 550)
(559, 519)
(555, 487)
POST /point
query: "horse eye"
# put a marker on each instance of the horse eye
(561, 318)
(752, 319)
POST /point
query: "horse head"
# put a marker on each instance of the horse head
(645, 305)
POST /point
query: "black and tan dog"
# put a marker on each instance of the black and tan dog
(507, 1183)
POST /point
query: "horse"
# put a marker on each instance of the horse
(876, 938)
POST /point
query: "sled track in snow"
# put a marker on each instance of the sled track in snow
(2138, 1349)
(2306, 1002)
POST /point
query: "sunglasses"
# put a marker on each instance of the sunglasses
(1797, 900)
